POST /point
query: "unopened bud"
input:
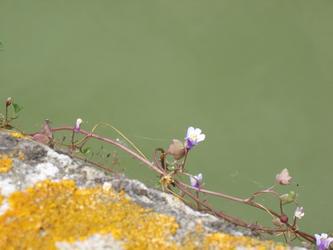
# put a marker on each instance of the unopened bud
(9, 101)
(77, 125)
(288, 198)
(176, 149)
(284, 218)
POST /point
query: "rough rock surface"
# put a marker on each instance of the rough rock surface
(26, 163)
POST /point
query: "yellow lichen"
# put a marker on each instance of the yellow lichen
(1, 199)
(16, 134)
(229, 242)
(6, 163)
(53, 212)
(59, 211)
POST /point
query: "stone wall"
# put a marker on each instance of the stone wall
(49, 200)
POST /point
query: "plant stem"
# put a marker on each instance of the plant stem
(185, 189)
(111, 141)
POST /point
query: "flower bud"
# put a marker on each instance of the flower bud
(46, 129)
(284, 218)
(176, 149)
(41, 138)
(77, 126)
(9, 101)
(288, 198)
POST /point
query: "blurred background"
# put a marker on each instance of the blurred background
(255, 76)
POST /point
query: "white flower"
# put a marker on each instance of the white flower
(193, 137)
(77, 125)
(299, 212)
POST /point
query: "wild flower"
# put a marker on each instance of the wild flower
(283, 178)
(323, 241)
(196, 181)
(299, 212)
(193, 137)
(77, 125)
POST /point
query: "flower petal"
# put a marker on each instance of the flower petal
(190, 130)
(201, 137)
(193, 181)
(318, 237)
(328, 242)
(197, 131)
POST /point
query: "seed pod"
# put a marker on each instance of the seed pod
(288, 198)
(176, 149)
(9, 101)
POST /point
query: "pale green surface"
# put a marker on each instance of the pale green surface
(256, 76)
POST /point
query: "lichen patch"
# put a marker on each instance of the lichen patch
(53, 212)
(17, 135)
(6, 163)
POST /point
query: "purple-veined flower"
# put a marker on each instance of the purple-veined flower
(193, 137)
(283, 178)
(77, 125)
(299, 212)
(323, 241)
(196, 181)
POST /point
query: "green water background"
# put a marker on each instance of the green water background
(256, 76)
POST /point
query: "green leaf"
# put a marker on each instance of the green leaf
(17, 108)
(85, 151)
